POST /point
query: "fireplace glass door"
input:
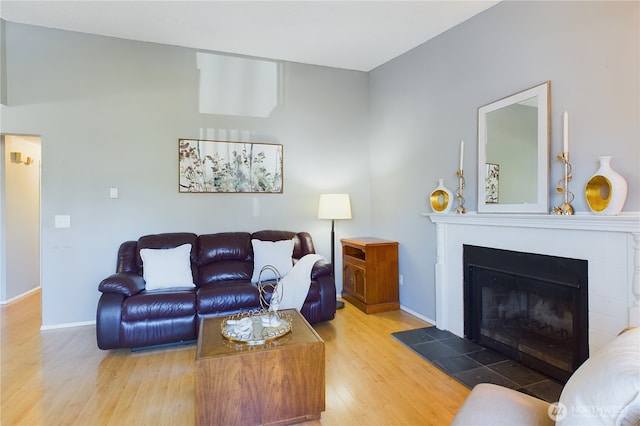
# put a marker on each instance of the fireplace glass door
(526, 310)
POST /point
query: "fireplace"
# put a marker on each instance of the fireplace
(530, 307)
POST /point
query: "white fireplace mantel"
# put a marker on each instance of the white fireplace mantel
(610, 244)
(628, 222)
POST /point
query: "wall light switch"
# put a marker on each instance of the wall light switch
(113, 192)
(63, 221)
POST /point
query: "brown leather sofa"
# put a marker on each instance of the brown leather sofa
(130, 316)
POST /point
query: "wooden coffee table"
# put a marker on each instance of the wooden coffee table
(279, 382)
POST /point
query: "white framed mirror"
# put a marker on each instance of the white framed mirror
(513, 153)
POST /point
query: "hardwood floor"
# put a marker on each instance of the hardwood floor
(60, 377)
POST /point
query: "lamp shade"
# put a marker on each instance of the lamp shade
(334, 206)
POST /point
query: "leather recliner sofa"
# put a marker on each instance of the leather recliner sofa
(131, 316)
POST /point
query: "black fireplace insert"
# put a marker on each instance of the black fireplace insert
(530, 307)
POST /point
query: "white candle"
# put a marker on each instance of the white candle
(566, 132)
(461, 154)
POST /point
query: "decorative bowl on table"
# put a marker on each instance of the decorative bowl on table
(255, 327)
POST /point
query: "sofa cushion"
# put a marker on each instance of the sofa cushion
(606, 387)
(224, 246)
(275, 253)
(165, 268)
(227, 297)
(158, 304)
(225, 256)
(227, 270)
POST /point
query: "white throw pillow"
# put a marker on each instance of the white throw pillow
(275, 253)
(606, 387)
(163, 268)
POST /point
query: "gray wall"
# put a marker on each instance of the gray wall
(425, 101)
(110, 113)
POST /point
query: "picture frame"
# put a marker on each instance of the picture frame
(208, 166)
(492, 179)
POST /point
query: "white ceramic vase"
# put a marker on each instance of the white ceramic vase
(606, 190)
(441, 198)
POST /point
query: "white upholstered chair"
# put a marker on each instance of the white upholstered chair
(605, 390)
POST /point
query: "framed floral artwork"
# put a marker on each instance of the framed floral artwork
(229, 167)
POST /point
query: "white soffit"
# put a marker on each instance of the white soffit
(357, 35)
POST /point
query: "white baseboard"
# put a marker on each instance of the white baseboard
(20, 296)
(409, 311)
(415, 314)
(67, 325)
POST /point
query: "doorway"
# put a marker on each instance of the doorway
(19, 216)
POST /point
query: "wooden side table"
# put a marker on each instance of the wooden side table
(280, 382)
(370, 274)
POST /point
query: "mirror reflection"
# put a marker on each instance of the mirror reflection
(513, 153)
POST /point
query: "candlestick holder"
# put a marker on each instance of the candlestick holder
(460, 209)
(563, 187)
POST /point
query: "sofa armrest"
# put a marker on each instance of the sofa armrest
(124, 283)
(321, 268)
(327, 286)
(108, 320)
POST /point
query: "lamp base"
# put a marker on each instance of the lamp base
(339, 304)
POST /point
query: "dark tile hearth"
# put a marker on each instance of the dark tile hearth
(471, 364)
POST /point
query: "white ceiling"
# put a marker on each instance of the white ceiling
(357, 35)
